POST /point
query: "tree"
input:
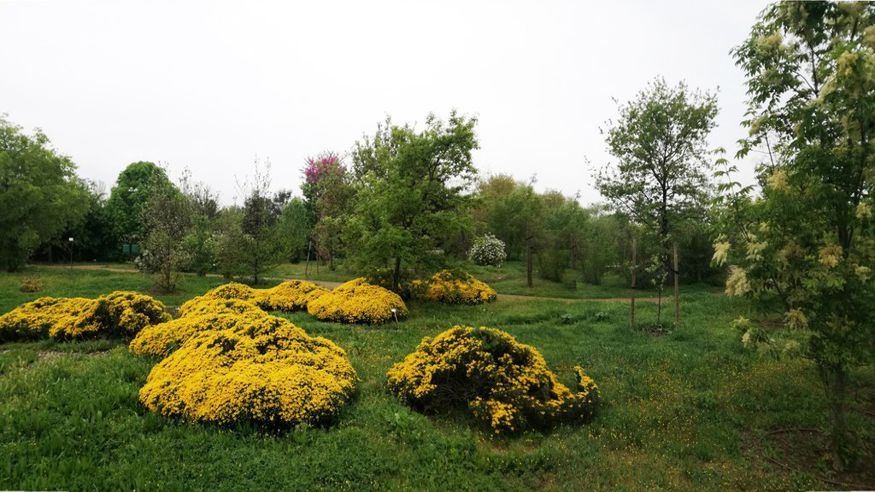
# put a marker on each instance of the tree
(129, 196)
(261, 212)
(810, 69)
(660, 178)
(200, 243)
(230, 243)
(328, 191)
(293, 229)
(39, 194)
(166, 221)
(411, 193)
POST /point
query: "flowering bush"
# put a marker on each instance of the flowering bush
(266, 371)
(293, 295)
(487, 250)
(31, 284)
(201, 314)
(357, 301)
(117, 314)
(505, 384)
(450, 288)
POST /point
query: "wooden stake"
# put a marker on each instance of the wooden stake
(634, 267)
(677, 292)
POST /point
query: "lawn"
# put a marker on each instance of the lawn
(689, 409)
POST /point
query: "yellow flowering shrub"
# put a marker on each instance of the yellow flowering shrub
(267, 371)
(293, 295)
(118, 314)
(201, 314)
(506, 385)
(450, 288)
(357, 301)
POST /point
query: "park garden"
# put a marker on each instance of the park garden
(404, 321)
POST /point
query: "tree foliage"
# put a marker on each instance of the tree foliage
(810, 70)
(130, 195)
(410, 193)
(40, 194)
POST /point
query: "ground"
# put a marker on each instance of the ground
(689, 409)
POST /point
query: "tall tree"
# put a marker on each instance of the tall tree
(129, 196)
(661, 173)
(166, 220)
(328, 191)
(810, 70)
(261, 212)
(411, 192)
(39, 194)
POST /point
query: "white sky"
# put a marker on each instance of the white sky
(210, 85)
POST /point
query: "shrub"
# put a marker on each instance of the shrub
(452, 288)
(118, 314)
(293, 295)
(506, 385)
(266, 371)
(201, 314)
(31, 284)
(357, 301)
(488, 250)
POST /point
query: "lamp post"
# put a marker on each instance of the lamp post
(70, 240)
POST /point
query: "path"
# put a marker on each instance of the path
(330, 285)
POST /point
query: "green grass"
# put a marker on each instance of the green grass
(686, 410)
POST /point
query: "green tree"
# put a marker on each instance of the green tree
(166, 220)
(261, 212)
(328, 192)
(411, 193)
(293, 229)
(129, 196)
(39, 194)
(661, 175)
(810, 70)
(230, 243)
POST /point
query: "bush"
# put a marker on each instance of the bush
(293, 295)
(266, 371)
(357, 301)
(31, 284)
(201, 314)
(453, 288)
(488, 250)
(506, 385)
(119, 314)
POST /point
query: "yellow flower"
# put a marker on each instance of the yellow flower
(830, 255)
(778, 181)
(450, 288)
(737, 283)
(506, 385)
(721, 253)
(357, 301)
(864, 211)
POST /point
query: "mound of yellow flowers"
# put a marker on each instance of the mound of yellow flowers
(293, 295)
(201, 313)
(263, 370)
(357, 301)
(453, 288)
(506, 385)
(118, 314)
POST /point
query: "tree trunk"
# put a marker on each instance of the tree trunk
(529, 263)
(677, 292)
(396, 277)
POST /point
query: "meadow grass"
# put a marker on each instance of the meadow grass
(689, 409)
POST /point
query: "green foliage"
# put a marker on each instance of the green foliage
(293, 229)
(133, 187)
(411, 194)
(810, 71)
(166, 220)
(261, 248)
(39, 194)
(660, 178)
(328, 192)
(230, 243)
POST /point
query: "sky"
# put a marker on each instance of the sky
(212, 86)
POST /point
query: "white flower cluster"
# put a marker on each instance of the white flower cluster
(488, 250)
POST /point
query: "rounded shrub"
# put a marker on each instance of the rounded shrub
(357, 301)
(487, 250)
(266, 371)
(118, 314)
(506, 385)
(293, 295)
(202, 314)
(453, 288)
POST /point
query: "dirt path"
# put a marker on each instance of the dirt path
(330, 285)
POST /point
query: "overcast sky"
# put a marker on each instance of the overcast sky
(212, 85)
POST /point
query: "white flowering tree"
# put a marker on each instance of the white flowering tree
(488, 250)
(809, 239)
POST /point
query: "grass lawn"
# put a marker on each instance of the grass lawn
(686, 410)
